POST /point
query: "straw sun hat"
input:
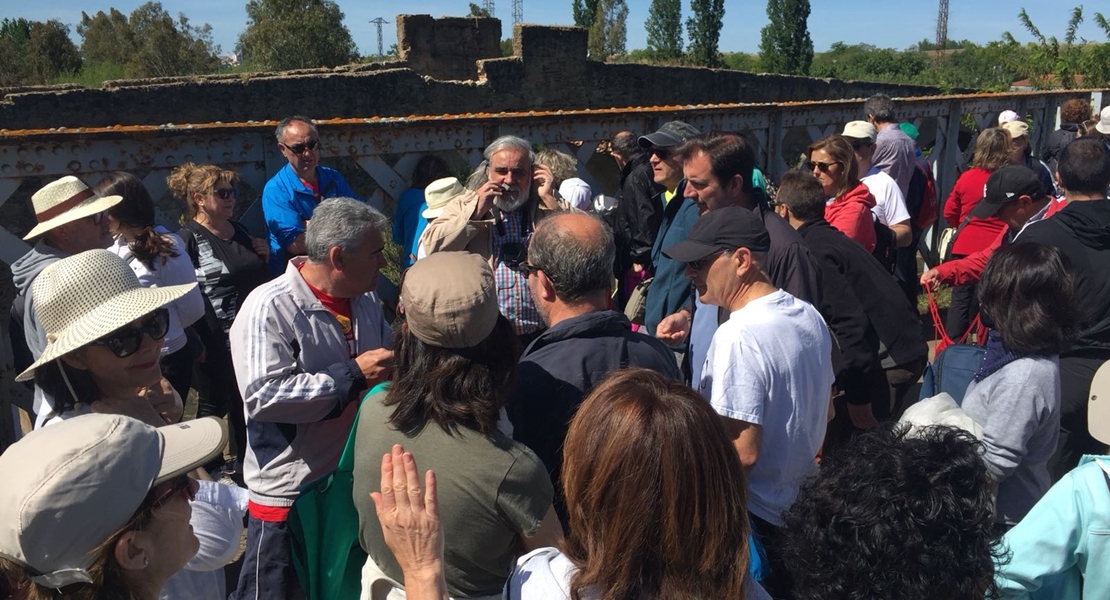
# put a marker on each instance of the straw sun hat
(438, 194)
(64, 201)
(85, 297)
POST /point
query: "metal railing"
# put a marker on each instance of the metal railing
(378, 154)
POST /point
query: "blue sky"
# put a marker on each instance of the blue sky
(884, 23)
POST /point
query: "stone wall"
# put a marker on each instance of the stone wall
(445, 68)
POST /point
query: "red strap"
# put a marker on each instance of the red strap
(940, 336)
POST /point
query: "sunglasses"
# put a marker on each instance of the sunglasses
(514, 255)
(820, 166)
(225, 193)
(699, 264)
(126, 341)
(662, 152)
(301, 147)
(180, 485)
(529, 269)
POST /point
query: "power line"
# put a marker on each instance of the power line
(379, 22)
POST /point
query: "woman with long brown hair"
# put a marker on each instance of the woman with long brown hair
(656, 497)
(992, 152)
(157, 257)
(833, 162)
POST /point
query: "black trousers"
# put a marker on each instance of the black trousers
(218, 393)
(965, 305)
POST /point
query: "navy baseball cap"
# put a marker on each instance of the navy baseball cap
(725, 228)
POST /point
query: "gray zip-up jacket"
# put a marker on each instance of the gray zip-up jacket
(300, 385)
(24, 272)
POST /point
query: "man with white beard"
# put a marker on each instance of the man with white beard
(508, 196)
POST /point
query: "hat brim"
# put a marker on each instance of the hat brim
(431, 214)
(658, 139)
(87, 208)
(1098, 407)
(1103, 128)
(690, 251)
(986, 209)
(106, 318)
(188, 445)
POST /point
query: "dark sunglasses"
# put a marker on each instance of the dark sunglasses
(662, 152)
(529, 269)
(225, 193)
(301, 147)
(179, 485)
(514, 254)
(126, 341)
(820, 166)
(697, 265)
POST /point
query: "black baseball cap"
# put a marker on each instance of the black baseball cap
(716, 230)
(671, 133)
(1006, 185)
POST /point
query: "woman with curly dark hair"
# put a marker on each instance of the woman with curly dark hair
(158, 258)
(895, 515)
(1027, 297)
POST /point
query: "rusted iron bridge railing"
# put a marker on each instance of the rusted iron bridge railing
(378, 154)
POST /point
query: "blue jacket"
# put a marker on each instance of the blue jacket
(1063, 541)
(287, 203)
(670, 290)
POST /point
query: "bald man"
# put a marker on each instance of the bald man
(569, 270)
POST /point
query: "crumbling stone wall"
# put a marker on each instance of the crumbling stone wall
(448, 66)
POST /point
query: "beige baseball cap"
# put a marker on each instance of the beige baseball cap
(450, 299)
(860, 130)
(68, 487)
(1098, 407)
(1016, 129)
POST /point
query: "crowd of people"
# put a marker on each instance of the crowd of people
(701, 395)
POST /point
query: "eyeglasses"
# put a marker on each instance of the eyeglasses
(529, 269)
(126, 341)
(661, 151)
(225, 193)
(180, 485)
(699, 264)
(820, 166)
(299, 148)
(513, 254)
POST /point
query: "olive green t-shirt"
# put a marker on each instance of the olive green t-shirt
(491, 492)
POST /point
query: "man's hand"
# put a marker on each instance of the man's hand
(674, 328)
(544, 182)
(165, 400)
(637, 268)
(261, 248)
(930, 279)
(487, 195)
(376, 365)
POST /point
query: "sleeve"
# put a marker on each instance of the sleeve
(844, 315)
(266, 367)
(969, 269)
(645, 216)
(1016, 409)
(217, 521)
(800, 275)
(283, 221)
(453, 229)
(179, 270)
(894, 208)
(342, 188)
(952, 204)
(855, 222)
(525, 494)
(892, 159)
(1045, 545)
(740, 387)
(191, 249)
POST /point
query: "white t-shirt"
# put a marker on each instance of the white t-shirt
(890, 204)
(770, 364)
(544, 574)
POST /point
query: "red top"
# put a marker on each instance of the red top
(851, 214)
(979, 233)
(341, 308)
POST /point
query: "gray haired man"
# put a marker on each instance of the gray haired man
(496, 221)
(306, 346)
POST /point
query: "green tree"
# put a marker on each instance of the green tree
(50, 52)
(585, 12)
(785, 45)
(295, 34)
(106, 38)
(704, 29)
(664, 29)
(166, 46)
(1051, 64)
(609, 32)
(478, 12)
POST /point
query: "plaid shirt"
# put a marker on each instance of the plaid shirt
(513, 295)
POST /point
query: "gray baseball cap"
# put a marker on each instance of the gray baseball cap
(670, 134)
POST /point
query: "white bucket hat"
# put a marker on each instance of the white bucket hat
(1103, 125)
(84, 297)
(64, 201)
(438, 194)
(69, 486)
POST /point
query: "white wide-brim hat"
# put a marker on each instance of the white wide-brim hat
(439, 194)
(64, 201)
(69, 486)
(84, 297)
(1103, 125)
